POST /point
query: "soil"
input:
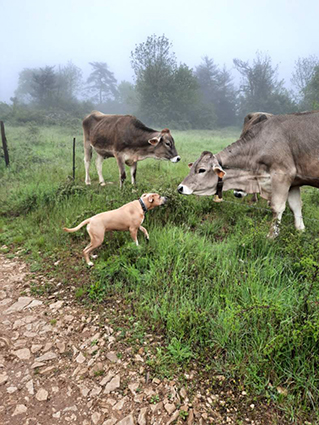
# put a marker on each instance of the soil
(63, 363)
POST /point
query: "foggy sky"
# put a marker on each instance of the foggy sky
(36, 33)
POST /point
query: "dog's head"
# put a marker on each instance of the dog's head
(152, 200)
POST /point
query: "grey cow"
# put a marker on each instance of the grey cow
(126, 139)
(274, 158)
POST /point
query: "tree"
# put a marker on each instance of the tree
(260, 89)
(304, 73)
(167, 92)
(101, 82)
(69, 81)
(43, 86)
(217, 90)
(24, 89)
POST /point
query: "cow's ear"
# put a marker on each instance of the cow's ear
(262, 117)
(190, 165)
(155, 141)
(218, 170)
(165, 130)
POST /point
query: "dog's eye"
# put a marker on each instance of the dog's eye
(201, 170)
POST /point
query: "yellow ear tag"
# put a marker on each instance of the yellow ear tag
(217, 199)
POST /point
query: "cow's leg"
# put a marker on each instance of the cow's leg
(121, 166)
(133, 173)
(87, 160)
(279, 193)
(145, 233)
(133, 232)
(99, 163)
(294, 201)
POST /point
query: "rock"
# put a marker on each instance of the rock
(112, 356)
(21, 408)
(107, 378)
(96, 417)
(3, 378)
(183, 393)
(19, 305)
(111, 421)
(56, 415)
(138, 358)
(84, 390)
(47, 347)
(128, 420)
(11, 390)
(35, 348)
(170, 408)
(47, 356)
(42, 394)
(141, 420)
(23, 354)
(190, 418)
(80, 358)
(29, 387)
(173, 418)
(5, 302)
(95, 391)
(56, 306)
(37, 364)
(70, 409)
(112, 385)
(156, 381)
(34, 303)
(61, 347)
(119, 405)
(133, 387)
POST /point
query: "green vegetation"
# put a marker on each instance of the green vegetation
(224, 295)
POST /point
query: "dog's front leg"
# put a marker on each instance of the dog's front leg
(145, 233)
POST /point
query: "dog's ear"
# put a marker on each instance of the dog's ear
(151, 198)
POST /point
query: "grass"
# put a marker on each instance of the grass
(224, 296)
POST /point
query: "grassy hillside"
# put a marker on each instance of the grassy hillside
(223, 294)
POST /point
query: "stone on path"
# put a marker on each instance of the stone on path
(34, 303)
(141, 420)
(112, 385)
(170, 408)
(42, 394)
(35, 348)
(96, 417)
(128, 420)
(61, 347)
(23, 354)
(19, 305)
(3, 378)
(80, 358)
(47, 356)
(112, 357)
(21, 408)
(29, 387)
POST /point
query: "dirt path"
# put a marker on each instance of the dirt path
(60, 365)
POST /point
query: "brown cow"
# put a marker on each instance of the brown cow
(126, 139)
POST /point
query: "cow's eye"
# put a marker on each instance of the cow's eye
(167, 143)
(201, 170)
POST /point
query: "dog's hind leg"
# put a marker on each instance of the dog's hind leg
(97, 237)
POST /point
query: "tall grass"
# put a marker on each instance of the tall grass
(223, 293)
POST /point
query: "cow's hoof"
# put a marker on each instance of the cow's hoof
(88, 183)
(102, 184)
(90, 264)
(217, 199)
(94, 256)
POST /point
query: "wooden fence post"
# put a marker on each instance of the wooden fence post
(73, 158)
(4, 144)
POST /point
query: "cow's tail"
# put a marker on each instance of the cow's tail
(74, 229)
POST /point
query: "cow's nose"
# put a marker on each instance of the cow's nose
(178, 159)
(180, 188)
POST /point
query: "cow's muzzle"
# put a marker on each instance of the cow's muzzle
(176, 158)
(184, 190)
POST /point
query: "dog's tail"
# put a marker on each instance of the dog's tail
(74, 229)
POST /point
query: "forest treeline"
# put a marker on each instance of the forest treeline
(165, 92)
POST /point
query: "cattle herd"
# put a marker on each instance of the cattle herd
(274, 156)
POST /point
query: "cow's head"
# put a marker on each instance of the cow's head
(165, 146)
(203, 176)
